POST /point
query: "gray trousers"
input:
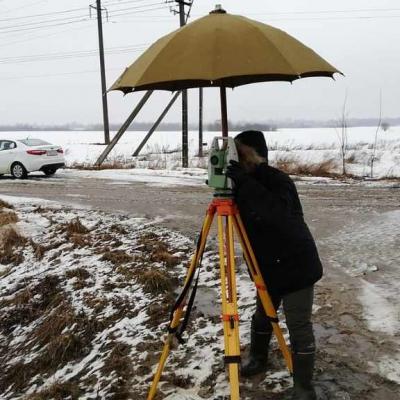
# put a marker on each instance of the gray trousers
(297, 307)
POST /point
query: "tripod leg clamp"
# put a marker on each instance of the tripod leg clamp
(232, 359)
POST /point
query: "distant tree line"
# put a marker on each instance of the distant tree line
(211, 126)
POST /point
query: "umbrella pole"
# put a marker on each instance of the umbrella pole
(224, 113)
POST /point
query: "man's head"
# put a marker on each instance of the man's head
(252, 149)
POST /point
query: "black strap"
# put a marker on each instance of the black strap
(186, 288)
(232, 359)
(185, 321)
(179, 330)
(272, 319)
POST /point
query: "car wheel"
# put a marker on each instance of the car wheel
(49, 171)
(18, 171)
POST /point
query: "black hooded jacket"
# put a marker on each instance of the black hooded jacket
(272, 214)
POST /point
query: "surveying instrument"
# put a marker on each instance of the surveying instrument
(223, 150)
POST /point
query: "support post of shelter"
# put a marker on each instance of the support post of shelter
(155, 126)
(200, 122)
(224, 113)
(123, 128)
(185, 140)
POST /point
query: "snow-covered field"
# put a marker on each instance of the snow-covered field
(302, 146)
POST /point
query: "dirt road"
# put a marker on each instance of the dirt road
(357, 229)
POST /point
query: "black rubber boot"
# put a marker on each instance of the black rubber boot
(258, 356)
(303, 368)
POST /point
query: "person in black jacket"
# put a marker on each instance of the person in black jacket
(287, 255)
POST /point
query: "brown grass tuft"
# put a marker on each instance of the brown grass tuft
(116, 164)
(179, 380)
(80, 240)
(40, 250)
(58, 391)
(8, 218)
(165, 257)
(118, 229)
(118, 362)
(4, 204)
(155, 281)
(75, 226)
(30, 303)
(81, 275)
(292, 166)
(11, 241)
(117, 257)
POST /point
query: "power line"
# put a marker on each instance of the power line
(43, 15)
(72, 10)
(73, 54)
(30, 37)
(12, 28)
(56, 74)
(72, 20)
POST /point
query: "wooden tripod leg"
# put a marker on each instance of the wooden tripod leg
(178, 314)
(230, 316)
(262, 289)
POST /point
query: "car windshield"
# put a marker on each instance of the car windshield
(34, 142)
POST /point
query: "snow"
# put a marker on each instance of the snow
(311, 145)
(201, 357)
(380, 234)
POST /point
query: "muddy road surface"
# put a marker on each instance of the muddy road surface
(357, 229)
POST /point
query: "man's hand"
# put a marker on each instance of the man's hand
(235, 172)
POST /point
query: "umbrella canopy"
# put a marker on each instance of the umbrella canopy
(223, 50)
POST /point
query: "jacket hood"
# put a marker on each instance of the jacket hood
(256, 140)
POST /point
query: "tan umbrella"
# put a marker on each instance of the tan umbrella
(222, 50)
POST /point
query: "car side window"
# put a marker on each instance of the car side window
(7, 145)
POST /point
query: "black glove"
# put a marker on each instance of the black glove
(235, 172)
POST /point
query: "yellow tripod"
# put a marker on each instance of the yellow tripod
(228, 219)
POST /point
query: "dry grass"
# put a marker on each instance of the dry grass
(118, 229)
(292, 166)
(40, 250)
(80, 240)
(164, 256)
(81, 275)
(155, 250)
(179, 380)
(116, 164)
(75, 226)
(10, 247)
(58, 391)
(30, 303)
(118, 362)
(158, 312)
(7, 218)
(117, 257)
(4, 204)
(155, 281)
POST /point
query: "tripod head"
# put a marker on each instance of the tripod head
(223, 150)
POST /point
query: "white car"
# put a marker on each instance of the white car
(19, 157)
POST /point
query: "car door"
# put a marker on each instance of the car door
(7, 155)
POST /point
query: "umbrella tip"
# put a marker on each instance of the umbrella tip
(218, 10)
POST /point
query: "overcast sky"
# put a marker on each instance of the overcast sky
(49, 68)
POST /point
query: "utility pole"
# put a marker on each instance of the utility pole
(102, 71)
